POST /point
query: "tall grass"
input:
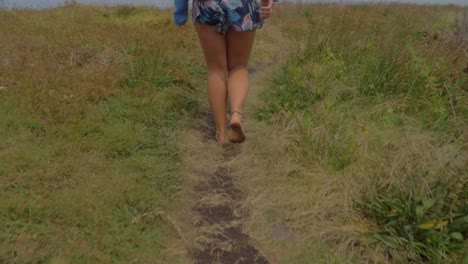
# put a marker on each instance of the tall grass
(90, 110)
(374, 98)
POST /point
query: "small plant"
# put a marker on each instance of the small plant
(125, 11)
(429, 224)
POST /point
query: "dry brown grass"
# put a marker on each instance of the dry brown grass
(311, 203)
(74, 55)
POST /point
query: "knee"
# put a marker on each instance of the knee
(218, 70)
(235, 68)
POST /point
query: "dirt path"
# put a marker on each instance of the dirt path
(221, 216)
(217, 209)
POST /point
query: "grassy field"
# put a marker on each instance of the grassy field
(91, 104)
(373, 102)
(365, 158)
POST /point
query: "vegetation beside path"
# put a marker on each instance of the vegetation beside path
(373, 102)
(91, 104)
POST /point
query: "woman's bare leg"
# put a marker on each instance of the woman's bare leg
(214, 48)
(239, 47)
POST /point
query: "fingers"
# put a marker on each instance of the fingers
(266, 11)
(265, 14)
(269, 4)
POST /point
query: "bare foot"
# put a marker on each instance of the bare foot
(236, 134)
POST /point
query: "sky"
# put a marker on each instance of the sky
(168, 3)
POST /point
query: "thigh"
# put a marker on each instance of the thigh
(213, 45)
(239, 46)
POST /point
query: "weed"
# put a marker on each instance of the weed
(428, 224)
(125, 11)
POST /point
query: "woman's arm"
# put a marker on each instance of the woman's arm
(180, 12)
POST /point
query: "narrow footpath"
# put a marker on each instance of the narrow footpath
(216, 201)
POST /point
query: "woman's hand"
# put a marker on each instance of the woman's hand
(266, 8)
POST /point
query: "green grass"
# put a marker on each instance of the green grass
(89, 134)
(377, 95)
(426, 223)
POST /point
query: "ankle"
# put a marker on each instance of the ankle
(221, 132)
(235, 116)
(222, 138)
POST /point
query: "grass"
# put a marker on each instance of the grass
(426, 223)
(92, 103)
(373, 101)
(358, 148)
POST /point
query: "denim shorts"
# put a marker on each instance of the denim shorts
(240, 15)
